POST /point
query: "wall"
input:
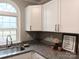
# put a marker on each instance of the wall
(47, 37)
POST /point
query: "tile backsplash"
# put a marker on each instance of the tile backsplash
(47, 36)
(50, 36)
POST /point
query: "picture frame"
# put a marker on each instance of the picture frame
(70, 43)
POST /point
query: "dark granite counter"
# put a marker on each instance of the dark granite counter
(40, 48)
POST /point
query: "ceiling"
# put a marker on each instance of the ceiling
(36, 1)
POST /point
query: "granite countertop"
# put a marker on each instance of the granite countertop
(40, 48)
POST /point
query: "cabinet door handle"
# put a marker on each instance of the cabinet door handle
(58, 27)
(30, 27)
(55, 27)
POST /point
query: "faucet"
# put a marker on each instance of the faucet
(7, 41)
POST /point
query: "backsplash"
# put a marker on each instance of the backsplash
(50, 36)
(47, 37)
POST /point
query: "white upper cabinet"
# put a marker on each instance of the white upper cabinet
(34, 18)
(69, 16)
(61, 16)
(28, 18)
(54, 16)
(50, 17)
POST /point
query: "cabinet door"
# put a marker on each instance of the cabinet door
(22, 56)
(36, 23)
(37, 56)
(50, 16)
(33, 18)
(28, 18)
(70, 16)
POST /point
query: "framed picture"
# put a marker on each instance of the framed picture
(70, 43)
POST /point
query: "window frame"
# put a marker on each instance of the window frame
(4, 13)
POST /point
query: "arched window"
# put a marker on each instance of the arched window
(7, 7)
(8, 22)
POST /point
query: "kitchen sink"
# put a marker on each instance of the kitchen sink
(17, 52)
(5, 51)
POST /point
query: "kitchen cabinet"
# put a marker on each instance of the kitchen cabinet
(54, 16)
(51, 16)
(61, 16)
(22, 56)
(37, 56)
(43, 17)
(34, 18)
(30, 55)
(69, 16)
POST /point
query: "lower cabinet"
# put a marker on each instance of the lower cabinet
(30, 55)
(37, 56)
(22, 56)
